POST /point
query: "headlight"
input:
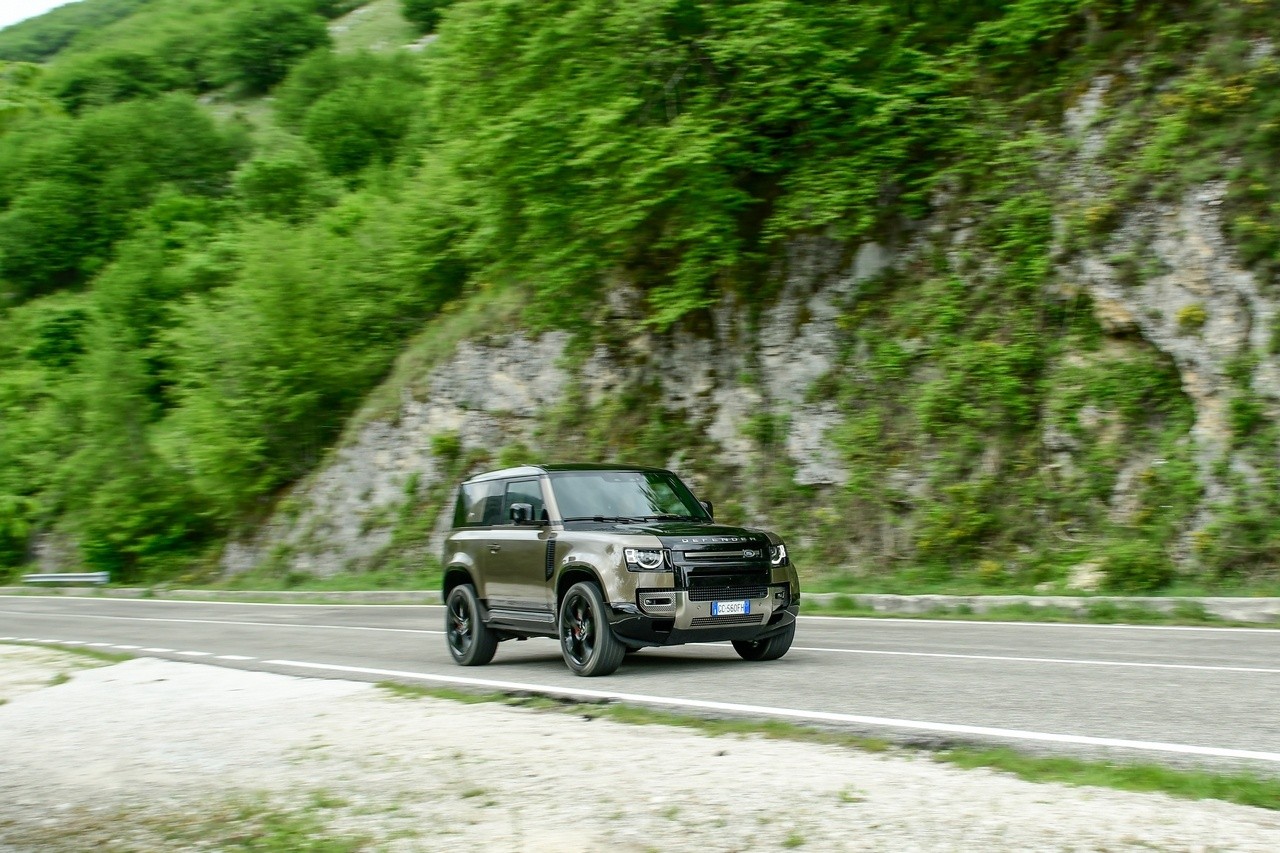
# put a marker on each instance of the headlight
(643, 559)
(778, 555)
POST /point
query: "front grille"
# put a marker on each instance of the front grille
(756, 554)
(707, 621)
(727, 593)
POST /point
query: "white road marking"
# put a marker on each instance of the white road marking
(125, 647)
(233, 657)
(195, 654)
(235, 622)
(1078, 626)
(1113, 626)
(149, 601)
(98, 645)
(1072, 661)
(159, 650)
(1001, 658)
(796, 714)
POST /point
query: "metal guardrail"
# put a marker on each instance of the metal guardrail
(69, 577)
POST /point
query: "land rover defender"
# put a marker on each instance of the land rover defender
(609, 559)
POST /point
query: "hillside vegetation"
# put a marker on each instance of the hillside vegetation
(200, 286)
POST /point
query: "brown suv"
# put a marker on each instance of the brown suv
(610, 559)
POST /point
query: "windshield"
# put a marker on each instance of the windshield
(626, 495)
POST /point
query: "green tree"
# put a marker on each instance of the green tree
(44, 237)
(77, 185)
(361, 122)
(424, 14)
(268, 37)
(284, 183)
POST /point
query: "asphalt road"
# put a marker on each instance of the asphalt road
(1188, 696)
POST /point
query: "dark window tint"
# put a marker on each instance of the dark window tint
(522, 492)
(628, 494)
(479, 505)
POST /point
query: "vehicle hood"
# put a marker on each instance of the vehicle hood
(686, 536)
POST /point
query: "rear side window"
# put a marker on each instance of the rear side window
(479, 505)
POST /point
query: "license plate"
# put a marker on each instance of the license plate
(730, 608)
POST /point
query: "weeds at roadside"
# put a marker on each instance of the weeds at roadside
(848, 796)
(93, 654)
(60, 678)
(1244, 789)
(251, 823)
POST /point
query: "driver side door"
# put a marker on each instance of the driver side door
(515, 556)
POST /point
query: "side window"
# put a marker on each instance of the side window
(522, 492)
(479, 505)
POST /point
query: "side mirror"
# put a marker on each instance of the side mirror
(709, 508)
(521, 513)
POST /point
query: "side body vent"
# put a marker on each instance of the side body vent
(551, 557)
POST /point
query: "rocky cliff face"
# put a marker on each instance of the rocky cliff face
(1191, 298)
(748, 392)
(495, 394)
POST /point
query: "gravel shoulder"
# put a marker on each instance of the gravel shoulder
(152, 755)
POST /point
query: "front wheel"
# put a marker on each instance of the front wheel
(770, 649)
(470, 641)
(586, 640)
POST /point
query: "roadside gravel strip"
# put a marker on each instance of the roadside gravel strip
(157, 755)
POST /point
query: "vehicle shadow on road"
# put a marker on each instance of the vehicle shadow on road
(647, 661)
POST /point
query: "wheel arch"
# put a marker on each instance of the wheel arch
(573, 574)
(455, 576)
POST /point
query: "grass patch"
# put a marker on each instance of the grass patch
(414, 691)
(60, 678)
(257, 826)
(1241, 788)
(268, 579)
(470, 319)
(249, 823)
(377, 27)
(93, 654)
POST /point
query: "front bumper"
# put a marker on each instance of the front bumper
(690, 621)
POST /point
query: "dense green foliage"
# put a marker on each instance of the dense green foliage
(424, 14)
(39, 38)
(194, 305)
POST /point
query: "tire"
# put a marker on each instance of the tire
(586, 640)
(771, 649)
(470, 641)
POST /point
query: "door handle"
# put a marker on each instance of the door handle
(493, 549)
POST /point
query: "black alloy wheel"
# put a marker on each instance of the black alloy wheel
(471, 643)
(770, 649)
(586, 640)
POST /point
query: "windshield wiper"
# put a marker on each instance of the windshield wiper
(604, 518)
(672, 518)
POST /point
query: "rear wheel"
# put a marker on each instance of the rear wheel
(470, 641)
(586, 640)
(769, 649)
